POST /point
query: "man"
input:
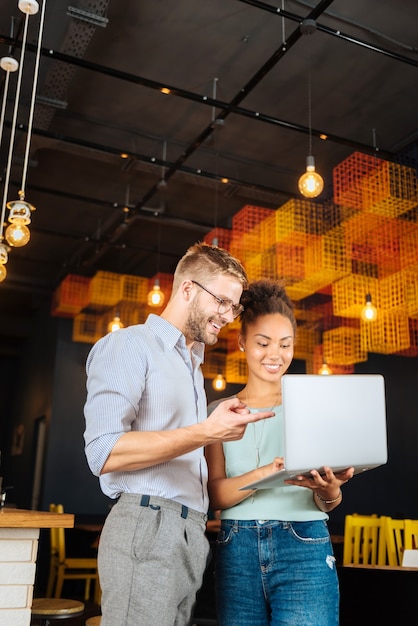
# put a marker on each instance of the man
(146, 426)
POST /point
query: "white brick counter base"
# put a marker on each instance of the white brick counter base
(18, 552)
(19, 535)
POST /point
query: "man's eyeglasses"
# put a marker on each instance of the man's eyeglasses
(224, 305)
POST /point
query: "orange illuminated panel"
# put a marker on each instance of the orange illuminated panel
(389, 333)
(71, 297)
(87, 328)
(390, 189)
(134, 288)
(106, 289)
(348, 176)
(349, 294)
(220, 237)
(343, 345)
(236, 368)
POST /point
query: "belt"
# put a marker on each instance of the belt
(146, 501)
(157, 502)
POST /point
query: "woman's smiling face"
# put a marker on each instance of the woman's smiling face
(269, 346)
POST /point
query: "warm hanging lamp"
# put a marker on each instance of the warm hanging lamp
(17, 234)
(369, 311)
(4, 250)
(310, 183)
(325, 370)
(219, 383)
(156, 297)
(115, 324)
(9, 65)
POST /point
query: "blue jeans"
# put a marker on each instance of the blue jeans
(276, 574)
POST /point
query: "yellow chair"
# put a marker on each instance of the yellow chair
(391, 543)
(361, 540)
(53, 561)
(411, 534)
(69, 568)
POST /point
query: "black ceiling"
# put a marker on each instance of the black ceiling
(238, 74)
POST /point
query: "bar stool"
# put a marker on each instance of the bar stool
(50, 609)
(94, 621)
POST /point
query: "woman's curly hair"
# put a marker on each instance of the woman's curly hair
(263, 297)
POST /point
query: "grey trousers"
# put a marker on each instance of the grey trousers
(152, 556)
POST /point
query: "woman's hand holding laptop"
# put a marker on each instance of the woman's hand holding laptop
(326, 485)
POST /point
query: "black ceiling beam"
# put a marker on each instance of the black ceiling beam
(226, 107)
(142, 158)
(331, 31)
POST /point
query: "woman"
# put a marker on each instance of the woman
(275, 562)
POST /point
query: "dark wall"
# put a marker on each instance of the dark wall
(8, 370)
(68, 479)
(52, 383)
(28, 388)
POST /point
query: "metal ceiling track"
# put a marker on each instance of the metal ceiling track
(330, 31)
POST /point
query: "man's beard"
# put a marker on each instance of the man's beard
(196, 325)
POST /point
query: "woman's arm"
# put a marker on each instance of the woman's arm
(224, 492)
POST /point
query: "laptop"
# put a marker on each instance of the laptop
(337, 420)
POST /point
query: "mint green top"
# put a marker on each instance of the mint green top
(286, 503)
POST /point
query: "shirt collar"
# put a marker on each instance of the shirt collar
(170, 335)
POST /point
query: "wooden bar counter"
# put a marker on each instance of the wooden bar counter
(19, 536)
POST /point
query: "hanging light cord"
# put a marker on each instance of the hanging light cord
(309, 95)
(158, 245)
(283, 26)
(3, 108)
(15, 111)
(13, 129)
(32, 105)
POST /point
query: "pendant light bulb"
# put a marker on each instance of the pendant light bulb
(369, 311)
(4, 256)
(156, 296)
(17, 234)
(310, 183)
(325, 370)
(115, 324)
(219, 383)
(4, 253)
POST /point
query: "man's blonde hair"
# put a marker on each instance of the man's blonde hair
(203, 261)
